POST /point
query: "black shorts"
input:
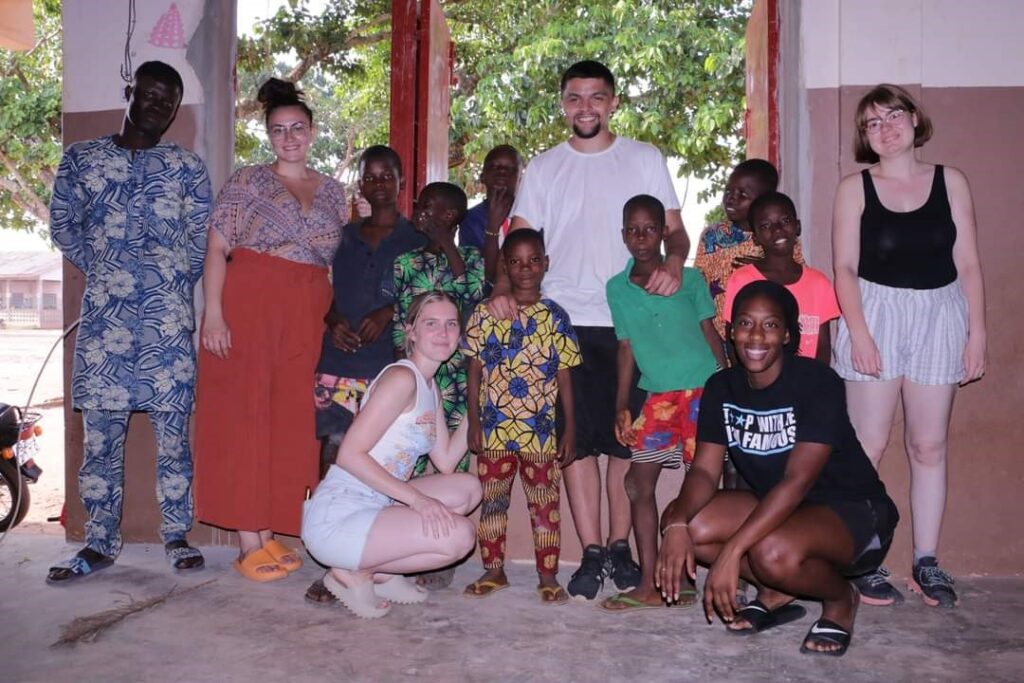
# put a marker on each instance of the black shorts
(593, 388)
(872, 524)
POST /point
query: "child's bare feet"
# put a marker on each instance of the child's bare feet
(640, 597)
(492, 581)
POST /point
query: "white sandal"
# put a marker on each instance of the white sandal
(360, 600)
(401, 590)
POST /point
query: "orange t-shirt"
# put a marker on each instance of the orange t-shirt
(814, 295)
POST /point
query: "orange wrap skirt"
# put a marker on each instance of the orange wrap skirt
(256, 451)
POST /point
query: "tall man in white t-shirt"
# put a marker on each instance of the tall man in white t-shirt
(575, 193)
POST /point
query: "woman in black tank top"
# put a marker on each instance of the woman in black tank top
(909, 284)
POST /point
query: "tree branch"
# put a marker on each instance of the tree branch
(245, 108)
(21, 191)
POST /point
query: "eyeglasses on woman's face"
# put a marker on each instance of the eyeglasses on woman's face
(296, 130)
(893, 117)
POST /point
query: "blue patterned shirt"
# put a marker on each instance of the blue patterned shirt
(134, 221)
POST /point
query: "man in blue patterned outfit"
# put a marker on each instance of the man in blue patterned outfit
(130, 212)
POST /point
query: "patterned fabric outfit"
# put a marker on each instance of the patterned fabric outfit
(256, 453)
(421, 271)
(717, 248)
(674, 359)
(336, 521)
(362, 276)
(519, 391)
(134, 222)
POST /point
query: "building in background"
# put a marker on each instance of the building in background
(31, 289)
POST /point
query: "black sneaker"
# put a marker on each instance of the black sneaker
(619, 565)
(875, 589)
(588, 580)
(934, 585)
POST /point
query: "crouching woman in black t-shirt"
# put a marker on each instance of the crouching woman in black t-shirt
(817, 511)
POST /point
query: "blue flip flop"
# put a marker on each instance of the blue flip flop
(86, 561)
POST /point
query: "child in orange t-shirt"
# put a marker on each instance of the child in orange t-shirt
(776, 229)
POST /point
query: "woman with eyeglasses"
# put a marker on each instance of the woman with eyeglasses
(272, 236)
(909, 283)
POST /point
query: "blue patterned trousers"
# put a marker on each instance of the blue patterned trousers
(101, 478)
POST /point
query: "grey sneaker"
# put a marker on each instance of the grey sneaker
(875, 589)
(934, 585)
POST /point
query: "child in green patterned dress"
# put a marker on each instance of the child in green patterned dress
(456, 271)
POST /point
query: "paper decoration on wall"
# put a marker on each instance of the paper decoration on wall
(169, 31)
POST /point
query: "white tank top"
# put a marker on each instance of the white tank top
(411, 435)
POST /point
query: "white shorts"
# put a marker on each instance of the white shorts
(920, 334)
(336, 521)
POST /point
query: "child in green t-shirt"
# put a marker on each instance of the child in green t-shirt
(672, 340)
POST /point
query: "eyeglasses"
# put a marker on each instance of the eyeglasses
(893, 118)
(296, 129)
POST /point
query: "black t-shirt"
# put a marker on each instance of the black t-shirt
(761, 426)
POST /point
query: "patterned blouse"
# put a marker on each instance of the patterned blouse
(420, 271)
(134, 221)
(718, 247)
(254, 210)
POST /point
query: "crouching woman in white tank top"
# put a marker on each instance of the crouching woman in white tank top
(367, 521)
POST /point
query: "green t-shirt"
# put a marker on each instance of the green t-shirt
(664, 331)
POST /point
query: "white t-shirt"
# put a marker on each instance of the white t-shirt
(577, 199)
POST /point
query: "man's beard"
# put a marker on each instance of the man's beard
(586, 135)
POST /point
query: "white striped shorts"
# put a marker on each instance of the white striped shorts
(920, 334)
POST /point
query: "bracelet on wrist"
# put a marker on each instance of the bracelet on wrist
(490, 233)
(674, 524)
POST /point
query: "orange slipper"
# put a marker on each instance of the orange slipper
(250, 566)
(283, 555)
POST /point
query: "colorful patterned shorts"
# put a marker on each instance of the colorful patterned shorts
(337, 402)
(666, 431)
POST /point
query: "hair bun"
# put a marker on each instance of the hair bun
(275, 93)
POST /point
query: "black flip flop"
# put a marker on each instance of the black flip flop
(762, 619)
(826, 632)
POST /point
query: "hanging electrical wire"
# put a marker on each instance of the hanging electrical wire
(126, 67)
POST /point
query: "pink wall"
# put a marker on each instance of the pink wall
(974, 131)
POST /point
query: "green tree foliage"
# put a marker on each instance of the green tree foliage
(341, 59)
(679, 67)
(30, 97)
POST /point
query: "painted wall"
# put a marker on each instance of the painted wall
(197, 37)
(964, 62)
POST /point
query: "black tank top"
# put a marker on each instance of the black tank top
(913, 249)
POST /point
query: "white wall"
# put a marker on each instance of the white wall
(937, 43)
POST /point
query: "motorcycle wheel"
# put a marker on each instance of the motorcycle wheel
(10, 478)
